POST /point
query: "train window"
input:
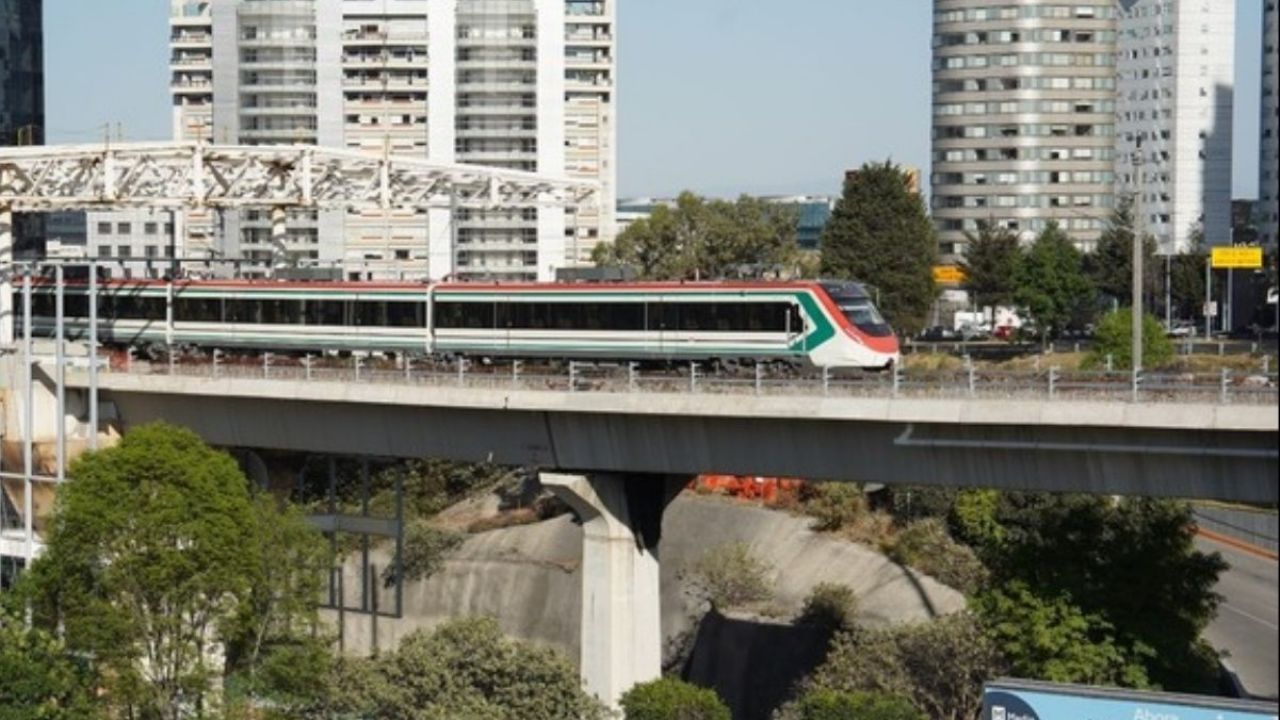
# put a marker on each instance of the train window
(197, 309)
(465, 315)
(132, 307)
(722, 317)
(281, 312)
(324, 312)
(571, 316)
(243, 311)
(406, 314)
(370, 313)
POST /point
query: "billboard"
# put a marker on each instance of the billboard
(948, 274)
(1237, 258)
(1022, 700)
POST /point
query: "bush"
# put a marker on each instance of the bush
(671, 699)
(819, 704)
(729, 576)
(1114, 337)
(829, 605)
(973, 519)
(425, 550)
(462, 669)
(927, 546)
(835, 505)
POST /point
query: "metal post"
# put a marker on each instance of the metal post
(169, 355)
(408, 368)
(632, 379)
(462, 371)
(306, 366)
(28, 411)
(266, 365)
(826, 380)
(355, 362)
(897, 379)
(573, 376)
(93, 356)
(128, 359)
(516, 365)
(1137, 300)
(1053, 382)
(759, 378)
(693, 376)
(1228, 318)
(1136, 382)
(217, 355)
(60, 370)
(973, 380)
(1111, 363)
(1168, 290)
(1208, 296)
(1225, 387)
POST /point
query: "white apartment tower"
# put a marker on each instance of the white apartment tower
(1023, 118)
(521, 84)
(1269, 162)
(1176, 68)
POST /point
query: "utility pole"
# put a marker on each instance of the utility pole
(1139, 222)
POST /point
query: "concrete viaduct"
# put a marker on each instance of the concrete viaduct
(619, 457)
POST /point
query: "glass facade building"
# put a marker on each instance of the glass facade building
(22, 98)
(1023, 118)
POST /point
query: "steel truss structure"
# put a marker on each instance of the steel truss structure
(197, 175)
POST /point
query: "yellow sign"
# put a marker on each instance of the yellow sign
(948, 274)
(1237, 258)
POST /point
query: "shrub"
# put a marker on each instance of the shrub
(671, 699)
(1114, 337)
(835, 505)
(973, 519)
(829, 605)
(819, 704)
(927, 546)
(729, 576)
(425, 550)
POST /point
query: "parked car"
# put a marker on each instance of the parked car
(1004, 332)
(937, 333)
(1181, 329)
(969, 332)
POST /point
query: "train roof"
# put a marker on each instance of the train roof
(452, 286)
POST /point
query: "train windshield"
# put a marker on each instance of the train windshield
(865, 317)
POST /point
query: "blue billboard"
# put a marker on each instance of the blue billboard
(1019, 700)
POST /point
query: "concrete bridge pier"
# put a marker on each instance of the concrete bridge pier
(621, 515)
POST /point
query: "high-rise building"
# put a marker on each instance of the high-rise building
(22, 98)
(519, 84)
(1176, 71)
(1268, 175)
(1023, 117)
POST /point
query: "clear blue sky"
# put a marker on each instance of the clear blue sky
(717, 96)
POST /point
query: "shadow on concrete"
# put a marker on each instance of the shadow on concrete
(754, 665)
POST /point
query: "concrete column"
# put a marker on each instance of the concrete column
(621, 516)
(279, 236)
(6, 276)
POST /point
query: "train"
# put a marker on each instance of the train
(821, 324)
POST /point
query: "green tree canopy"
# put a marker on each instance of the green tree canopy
(159, 561)
(1186, 278)
(1114, 337)
(1051, 283)
(708, 240)
(672, 699)
(939, 666)
(990, 259)
(880, 234)
(1052, 639)
(1110, 266)
(821, 704)
(39, 680)
(462, 670)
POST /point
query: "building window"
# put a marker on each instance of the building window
(124, 251)
(150, 228)
(124, 228)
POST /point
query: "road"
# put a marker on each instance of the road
(1246, 626)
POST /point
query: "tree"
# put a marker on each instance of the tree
(821, 704)
(939, 666)
(1114, 337)
(1114, 560)
(1186, 278)
(990, 258)
(1110, 266)
(1053, 639)
(927, 546)
(730, 576)
(672, 699)
(880, 234)
(462, 670)
(159, 563)
(1051, 283)
(38, 679)
(708, 240)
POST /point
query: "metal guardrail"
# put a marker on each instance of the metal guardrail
(1225, 387)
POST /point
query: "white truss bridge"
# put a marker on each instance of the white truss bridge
(196, 175)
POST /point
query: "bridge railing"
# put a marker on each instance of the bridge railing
(1224, 387)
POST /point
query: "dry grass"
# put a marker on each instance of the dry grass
(1215, 363)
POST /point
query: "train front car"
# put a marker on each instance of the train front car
(861, 337)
